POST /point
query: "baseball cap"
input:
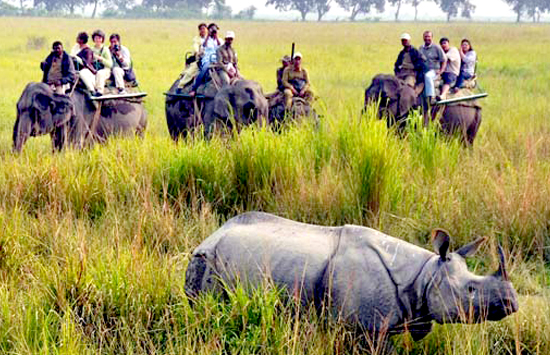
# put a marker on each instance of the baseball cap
(230, 34)
(297, 54)
(406, 36)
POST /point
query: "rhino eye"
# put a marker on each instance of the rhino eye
(471, 289)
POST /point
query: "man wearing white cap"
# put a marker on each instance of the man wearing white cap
(296, 81)
(409, 65)
(227, 60)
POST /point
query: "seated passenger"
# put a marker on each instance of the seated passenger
(452, 69)
(436, 61)
(409, 65)
(296, 82)
(469, 60)
(102, 60)
(122, 63)
(192, 68)
(85, 59)
(285, 62)
(58, 69)
(209, 48)
(227, 60)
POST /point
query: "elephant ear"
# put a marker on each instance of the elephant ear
(62, 111)
(407, 99)
(42, 106)
(222, 105)
(390, 88)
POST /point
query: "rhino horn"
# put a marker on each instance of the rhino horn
(501, 272)
(441, 241)
(470, 248)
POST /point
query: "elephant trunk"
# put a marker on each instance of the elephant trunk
(21, 132)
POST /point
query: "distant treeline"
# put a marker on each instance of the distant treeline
(218, 9)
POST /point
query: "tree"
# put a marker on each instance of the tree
(246, 14)
(518, 6)
(415, 4)
(398, 4)
(322, 7)
(303, 6)
(221, 10)
(357, 7)
(535, 8)
(453, 7)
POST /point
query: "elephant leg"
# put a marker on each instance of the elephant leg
(474, 127)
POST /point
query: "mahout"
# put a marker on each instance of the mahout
(368, 279)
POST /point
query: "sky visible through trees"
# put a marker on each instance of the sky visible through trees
(352, 10)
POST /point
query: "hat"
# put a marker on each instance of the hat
(406, 36)
(286, 58)
(297, 54)
(230, 34)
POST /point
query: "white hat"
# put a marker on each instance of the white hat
(230, 34)
(297, 54)
(406, 36)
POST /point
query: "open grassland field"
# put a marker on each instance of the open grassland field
(94, 244)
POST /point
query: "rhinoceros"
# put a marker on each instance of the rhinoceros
(370, 279)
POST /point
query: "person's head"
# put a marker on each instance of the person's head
(229, 37)
(57, 48)
(82, 38)
(466, 45)
(98, 37)
(203, 30)
(428, 37)
(297, 60)
(406, 40)
(213, 30)
(286, 61)
(114, 39)
(444, 43)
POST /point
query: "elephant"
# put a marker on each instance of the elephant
(243, 101)
(73, 119)
(397, 99)
(278, 112)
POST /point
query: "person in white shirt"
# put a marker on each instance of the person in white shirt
(192, 69)
(452, 69)
(469, 61)
(122, 63)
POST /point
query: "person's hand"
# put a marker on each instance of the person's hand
(294, 91)
(301, 93)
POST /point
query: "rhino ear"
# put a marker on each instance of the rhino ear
(470, 248)
(441, 241)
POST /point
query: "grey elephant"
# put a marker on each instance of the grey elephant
(396, 99)
(277, 112)
(373, 281)
(241, 102)
(73, 120)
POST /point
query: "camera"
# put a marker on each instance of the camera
(116, 47)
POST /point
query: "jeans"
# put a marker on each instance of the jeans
(429, 86)
(463, 77)
(201, 77)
